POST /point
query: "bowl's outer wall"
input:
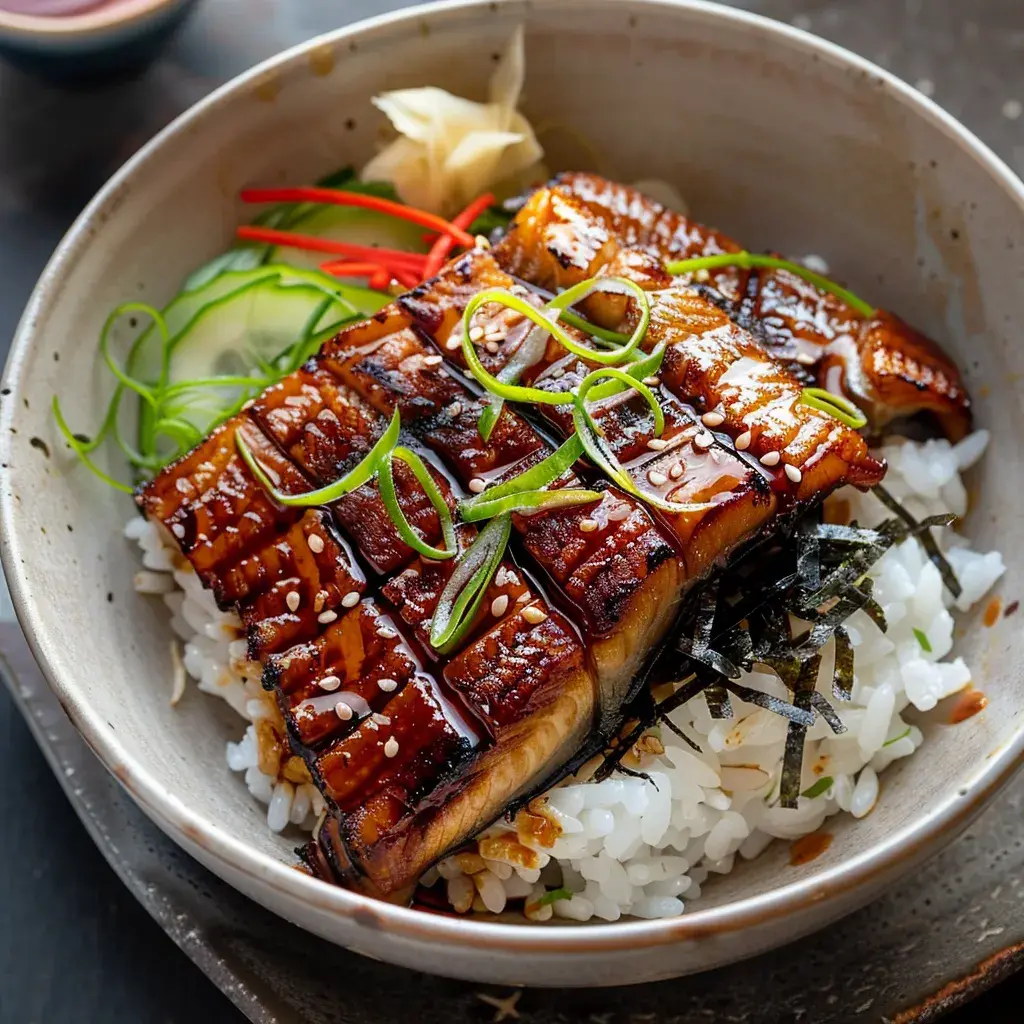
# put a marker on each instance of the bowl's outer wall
(798, 150)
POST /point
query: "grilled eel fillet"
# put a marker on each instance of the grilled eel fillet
(436, 746)
(569, 230)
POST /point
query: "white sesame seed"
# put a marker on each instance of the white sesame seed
(351, 599)
(391, 747)
(793, 473)
(534, 615)
(434, 360)
(326, 617)
(701, 275)
(477, 486)
(183, 485)
(657, 444)
(704, 439)
(492, 347)
(482, 242)
(453, 342)
(343, 711)
(454, 409)
(589, 525)
(329, 683)
(495, 335)
(743, 441)
(387, 685)
(676, 471)
(657, 478)
(293, 600)
(386, 632)
(499, 605)
(178, 530)
(316, 543)
(805, 359)
(770, 459)
(652, 382)
(319, 601)
(379, 719)
(476, 333)
(713, 418)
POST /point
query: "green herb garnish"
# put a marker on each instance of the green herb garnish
(819, 787)
(836, 406)
(902, 736)
(553, 896)
(747, 261)
(922, 638)
(465, 589)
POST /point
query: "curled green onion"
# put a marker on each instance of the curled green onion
(465, 589)
(356, 477)
(747, 260)
(577, 293)
(641, 369)
(602, 334)
(836, 406)
(83, 449)
(388, 494)
(545, 472)
(504, 389)
(523, 501)
(600, 452)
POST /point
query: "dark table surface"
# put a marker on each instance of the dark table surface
(75, 946)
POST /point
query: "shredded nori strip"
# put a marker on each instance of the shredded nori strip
(842, 673)
(820, 704)
(717, 698)
(816, 573)
(793, 758)
(771, 703)
(923, 532)
(663, 719)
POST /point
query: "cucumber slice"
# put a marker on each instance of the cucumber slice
(236, 334)
(349, 224)
(146, 354)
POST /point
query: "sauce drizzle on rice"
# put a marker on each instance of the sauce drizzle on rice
(808, 848)
(970, 703)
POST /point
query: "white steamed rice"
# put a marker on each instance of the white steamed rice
(628, 846)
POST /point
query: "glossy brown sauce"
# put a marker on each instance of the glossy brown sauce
(992, 611)
(808, 848)
(967, 705)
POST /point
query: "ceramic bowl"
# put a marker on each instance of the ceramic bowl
(778, 138)
(118, 36)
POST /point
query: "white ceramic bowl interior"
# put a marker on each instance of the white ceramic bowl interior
(779, 139)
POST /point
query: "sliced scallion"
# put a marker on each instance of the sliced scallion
(523, 501)
(545, 472)
(465, 589)
(747, 261)
(579, 292)
(837, 406)
(600, 452)
(388, 494)
(356, 477)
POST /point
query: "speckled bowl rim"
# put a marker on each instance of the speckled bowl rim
(122, 14)
(880, 863)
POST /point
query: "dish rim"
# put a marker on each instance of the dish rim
(163, 806)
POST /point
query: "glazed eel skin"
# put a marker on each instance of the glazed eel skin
(414, 751)
(578, 224)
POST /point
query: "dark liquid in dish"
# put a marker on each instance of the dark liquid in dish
(54, 8)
